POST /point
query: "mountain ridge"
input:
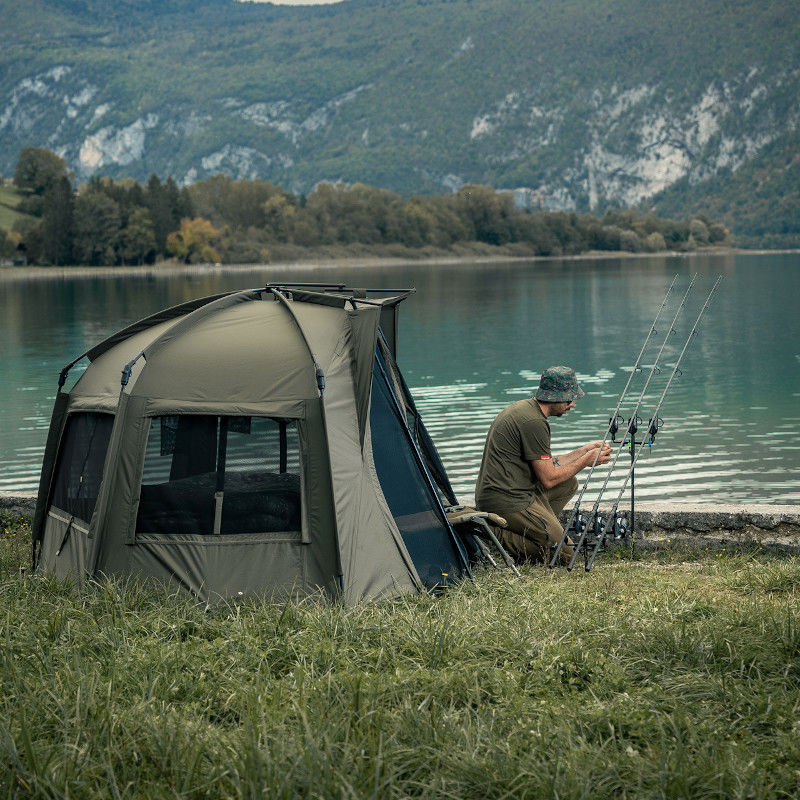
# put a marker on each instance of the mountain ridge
(578, 105)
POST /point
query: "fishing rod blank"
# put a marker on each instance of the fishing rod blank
(675, 371)
(631, 423)
(636, 368)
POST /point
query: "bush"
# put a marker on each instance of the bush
(630, 242)
(654, 243)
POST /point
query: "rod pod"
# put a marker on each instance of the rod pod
(575, 519)
(633, 422)
(675, 371)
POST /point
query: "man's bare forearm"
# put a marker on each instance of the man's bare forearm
(569, 458)
(552, 471)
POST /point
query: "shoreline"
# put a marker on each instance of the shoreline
(735, 523)
(166, 268)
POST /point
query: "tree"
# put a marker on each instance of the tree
(167, 206)
(416, 224)
(57, 223)
(279, 217)
(654, 243)
(194, 242)
(97, 226)
(38, 169)
(138, 241)
(486, 212)
(448, 225)
(240, 204)
(699, 230)
(629, 241)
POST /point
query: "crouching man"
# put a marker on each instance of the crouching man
(522, 481)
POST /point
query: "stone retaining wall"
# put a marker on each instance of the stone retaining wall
(22, 503)
(745, 520)
(737, 524)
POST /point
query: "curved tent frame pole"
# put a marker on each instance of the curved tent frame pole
(320, 377)
(319, 374)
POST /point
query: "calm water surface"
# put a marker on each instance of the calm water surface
(475, 338)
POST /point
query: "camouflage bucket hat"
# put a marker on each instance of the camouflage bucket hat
(558, 385)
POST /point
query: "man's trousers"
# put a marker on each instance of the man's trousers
(534, 532)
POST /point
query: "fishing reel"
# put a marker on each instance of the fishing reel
(595, 536)
(603, 530)
(620, 528)
(579, 525)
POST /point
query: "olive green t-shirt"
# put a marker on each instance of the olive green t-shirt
(519, 434)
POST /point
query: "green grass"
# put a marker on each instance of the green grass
(676, 674)
(9, 200)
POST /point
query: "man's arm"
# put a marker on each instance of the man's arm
(552, 471)
(568, 458)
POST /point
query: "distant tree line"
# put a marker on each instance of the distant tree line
(110, 222)
(104, 223)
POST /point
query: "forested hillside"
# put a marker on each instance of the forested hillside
(219, 219)
(579, 105)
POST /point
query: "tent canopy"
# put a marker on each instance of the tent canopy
(256, 441)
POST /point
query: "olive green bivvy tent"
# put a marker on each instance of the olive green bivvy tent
(260, 441)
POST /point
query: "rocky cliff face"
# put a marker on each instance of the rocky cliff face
(636, 142)
(425, 116)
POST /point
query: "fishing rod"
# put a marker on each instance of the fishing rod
(575, 518)
(612, 516)
(632, 426)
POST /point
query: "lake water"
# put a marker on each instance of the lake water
(476, 336)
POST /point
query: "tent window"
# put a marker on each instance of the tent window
(407, 491)
(80, 463)
(208, 474)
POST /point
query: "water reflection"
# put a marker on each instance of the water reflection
(474, 338)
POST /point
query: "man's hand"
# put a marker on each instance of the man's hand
(596, 445)
(591, 453)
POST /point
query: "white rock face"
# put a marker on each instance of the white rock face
(23, 107)
(285, 117)
(242, 163)
(480, 127)
(639, 143)
(116, 146)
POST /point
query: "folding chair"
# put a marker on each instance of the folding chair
(475, 529)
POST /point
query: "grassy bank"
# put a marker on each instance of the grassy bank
(674, 675)
(9, 200)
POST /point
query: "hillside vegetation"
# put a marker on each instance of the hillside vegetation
(584, 105)
(111, 222)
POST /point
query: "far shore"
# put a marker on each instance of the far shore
(313, 262)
